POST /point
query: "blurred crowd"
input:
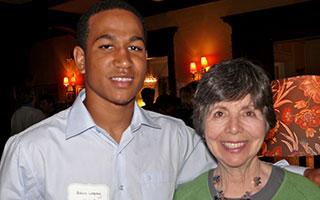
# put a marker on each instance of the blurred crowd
(170, 104)
(31, 110)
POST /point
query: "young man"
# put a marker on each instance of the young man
(104, 146)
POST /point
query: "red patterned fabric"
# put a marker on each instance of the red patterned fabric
(297, 106)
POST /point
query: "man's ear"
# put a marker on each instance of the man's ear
(79, 58)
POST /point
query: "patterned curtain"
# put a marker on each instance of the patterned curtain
(297, 106)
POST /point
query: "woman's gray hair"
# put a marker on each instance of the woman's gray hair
(232, 80)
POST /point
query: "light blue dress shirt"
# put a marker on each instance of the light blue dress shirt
(67, 156)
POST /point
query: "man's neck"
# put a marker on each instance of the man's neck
(113, 118)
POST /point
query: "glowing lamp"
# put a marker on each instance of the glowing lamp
(73, 80)
(66, 81)
(204, 62)
(193, 69)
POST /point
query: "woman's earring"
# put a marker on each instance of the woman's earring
(203, 139)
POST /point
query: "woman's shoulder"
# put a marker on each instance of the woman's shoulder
(298, 187)
(195, 189)
(298, 180)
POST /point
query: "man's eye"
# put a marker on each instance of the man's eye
(135, 48)
(107, 46)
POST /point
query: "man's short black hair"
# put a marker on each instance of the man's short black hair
(83, 23)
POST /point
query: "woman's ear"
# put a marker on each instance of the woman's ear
(79, 58)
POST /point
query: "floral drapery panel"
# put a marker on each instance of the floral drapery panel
(297, 106)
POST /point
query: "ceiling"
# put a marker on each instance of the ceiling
(145, 7)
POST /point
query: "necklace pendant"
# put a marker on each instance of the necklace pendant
(246, 195)
(216, 179)
(220, 195)
(257, 181)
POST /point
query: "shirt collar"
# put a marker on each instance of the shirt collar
(80, 120)
(142, 117)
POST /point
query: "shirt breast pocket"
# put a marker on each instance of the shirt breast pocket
(157, 186)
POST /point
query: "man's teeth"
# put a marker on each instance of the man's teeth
(121, 79)
(233, 145)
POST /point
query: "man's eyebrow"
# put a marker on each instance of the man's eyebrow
(135, 38)
(110, 37)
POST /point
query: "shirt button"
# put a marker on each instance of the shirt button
(121, 187)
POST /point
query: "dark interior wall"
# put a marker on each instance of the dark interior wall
(161, 43)
(254, 33)
(21, 26)
(10, 46)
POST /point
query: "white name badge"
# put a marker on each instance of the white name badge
(77, 191)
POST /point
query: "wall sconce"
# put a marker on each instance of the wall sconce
(193, 69)
(204, 64)
(70, 84)
(66, 81)
(204, 67)
(73, 80)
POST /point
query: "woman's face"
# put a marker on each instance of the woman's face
(235, 131)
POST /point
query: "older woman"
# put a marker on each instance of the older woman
(233, 112)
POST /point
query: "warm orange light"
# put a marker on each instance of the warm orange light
(73, 80)
(204, 61)
(207, 68)
(193, 67)
(66, 81)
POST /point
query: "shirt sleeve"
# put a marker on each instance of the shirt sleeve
(16, 178)
(292, 168)
(197, 160)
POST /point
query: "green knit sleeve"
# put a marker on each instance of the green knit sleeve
(198, 189)
(297, 187)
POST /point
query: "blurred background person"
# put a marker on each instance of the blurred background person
(184, 110)
(147, 95)
(47, 104)
(27, 114)
(166, 104)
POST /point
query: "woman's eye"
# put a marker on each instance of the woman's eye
(218, 114)
(250, 114)
(135, 48)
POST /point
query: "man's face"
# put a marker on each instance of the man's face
(115, 60)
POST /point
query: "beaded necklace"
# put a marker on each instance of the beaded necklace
(256, 182)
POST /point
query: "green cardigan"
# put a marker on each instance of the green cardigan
(293, 187)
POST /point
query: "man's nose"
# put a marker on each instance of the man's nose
(122, 58)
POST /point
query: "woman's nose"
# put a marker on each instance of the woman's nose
(234, 125)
